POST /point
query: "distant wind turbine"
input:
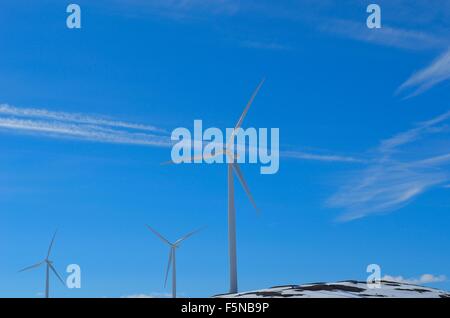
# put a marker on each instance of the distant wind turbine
(49, 266)
(172, 258)
(232, 165)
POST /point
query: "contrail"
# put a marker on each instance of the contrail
(6, 109)
(55, 124)
(85, 132)
(320, 157)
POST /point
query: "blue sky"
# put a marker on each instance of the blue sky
(364, 139)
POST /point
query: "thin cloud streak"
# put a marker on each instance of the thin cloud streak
(437, 72)
(397, 174)
(84, 132)
(423, 279)
(383, 188)
(265, 45)
(63, 125)
(183, 9)
(6, 109)
(387, 36)
(423, 128)
(320, 157)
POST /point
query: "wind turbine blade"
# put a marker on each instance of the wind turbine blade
(159, 235)
(168, 266)
(51, 245)
(166, 163)
(187, 236)
(194, 158)
(31, 267)
(244, 184)
(244, 113)
(56, 273)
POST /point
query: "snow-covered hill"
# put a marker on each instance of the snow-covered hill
(344, 289)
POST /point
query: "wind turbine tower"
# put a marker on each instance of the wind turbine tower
(49, 267)
(172, 257)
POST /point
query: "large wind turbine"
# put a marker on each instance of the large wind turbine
(49, 266)
(232, 166)
(172, 258)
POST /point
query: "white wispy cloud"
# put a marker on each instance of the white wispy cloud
(382, 188)
(398, 172)
(6, 109)
(421, 129)
(320, 157)
(264, 45)
(183, 9)
(387, 36)
(43, 122)
(79, 126)
(437, 72)
(423, 279)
